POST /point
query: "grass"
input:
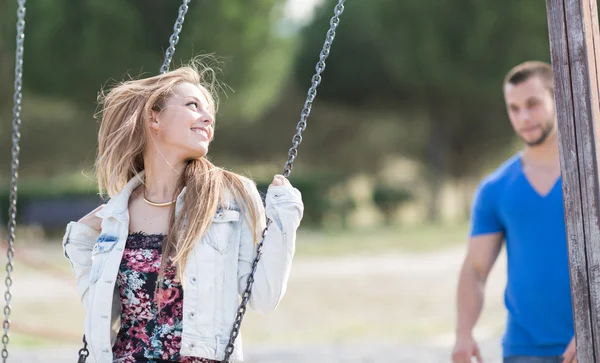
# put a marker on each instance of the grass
(20, 340)
(326, 242)
(409, 238)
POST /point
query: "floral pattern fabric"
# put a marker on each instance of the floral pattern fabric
(149, 334)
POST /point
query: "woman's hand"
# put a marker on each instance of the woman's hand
(280, 180)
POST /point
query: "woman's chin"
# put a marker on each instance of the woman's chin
(197, 154)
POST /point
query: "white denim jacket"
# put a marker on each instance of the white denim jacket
(214, 278)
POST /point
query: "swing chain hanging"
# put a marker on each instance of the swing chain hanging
(293, 152)
(312, 92)
(175, 36)
(14, 174)
(83, 352)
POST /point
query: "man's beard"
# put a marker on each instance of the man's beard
(546, 131)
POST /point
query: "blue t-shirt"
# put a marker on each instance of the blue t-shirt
(538, 291)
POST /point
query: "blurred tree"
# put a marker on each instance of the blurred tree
(7, 53)
(439, 65)
(80, 45)
(76, 47)
(388, 200)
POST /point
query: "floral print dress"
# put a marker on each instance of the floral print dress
(147, 334)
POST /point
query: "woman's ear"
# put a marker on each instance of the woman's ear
(153, 120)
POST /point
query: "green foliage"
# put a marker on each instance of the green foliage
(74, 48)
(81, 45)
(438, 64)
(56, 137)
(416, 47)
(418, 79)
(315, 196)
(389, 199)
(342, 207)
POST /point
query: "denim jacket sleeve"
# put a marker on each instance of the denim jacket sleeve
(285, 209)
(78, 242)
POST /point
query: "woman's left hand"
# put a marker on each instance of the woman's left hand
(280, 180)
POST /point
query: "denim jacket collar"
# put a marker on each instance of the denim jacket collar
(117, 206)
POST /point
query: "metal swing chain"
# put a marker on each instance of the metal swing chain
(14, 174)
(312, 92)
(83, 352)
(292, 154)
(175, 36)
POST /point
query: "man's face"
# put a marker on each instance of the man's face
(531, 110)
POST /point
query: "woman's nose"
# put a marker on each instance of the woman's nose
(208, 120)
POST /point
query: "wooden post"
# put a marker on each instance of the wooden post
(575, 50)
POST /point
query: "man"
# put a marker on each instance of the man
(521, 203)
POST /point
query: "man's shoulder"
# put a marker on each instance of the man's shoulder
(489, 197)
(503, 174)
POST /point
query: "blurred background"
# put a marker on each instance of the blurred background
(408, 119)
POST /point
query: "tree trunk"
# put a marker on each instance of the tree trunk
(467, 194)
(436, 150)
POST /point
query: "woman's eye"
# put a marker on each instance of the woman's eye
(195, 104)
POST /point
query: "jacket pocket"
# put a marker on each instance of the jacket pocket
(220, 232)
(100, 253)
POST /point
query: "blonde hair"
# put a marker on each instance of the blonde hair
(123, 137)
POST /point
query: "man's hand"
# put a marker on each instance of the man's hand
(465, 349)
(570, 354)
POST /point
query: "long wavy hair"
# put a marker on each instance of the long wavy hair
(123, 137)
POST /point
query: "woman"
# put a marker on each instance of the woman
(160, 267)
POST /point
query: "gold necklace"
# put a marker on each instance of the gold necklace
(157, 204)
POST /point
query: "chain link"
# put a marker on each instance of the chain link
(83, 352)
(175, 36)
(312, 92)
(292, 154)
(14, 174)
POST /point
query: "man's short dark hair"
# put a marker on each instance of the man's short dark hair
(526, 70)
